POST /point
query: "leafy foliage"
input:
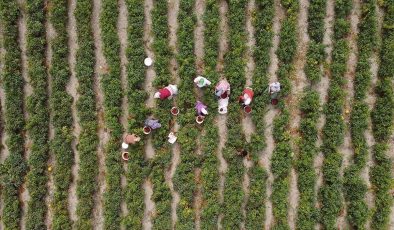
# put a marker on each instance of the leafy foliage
(14, 167)
(355, 187)
(333, 130)
(235, 74)
(310, 109)
(87, 113)
(184, 179)
(382, 124)
(209, 165)
(262, 20)
(282, 156)
(38, 122)
(160, 163)
(137, 113)
(60, 103)
(113, 94)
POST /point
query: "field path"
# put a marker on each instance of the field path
(173, 9)
(28, 91)
(122, 34)
(322, 88)
(272, 112)
(100, 68)
(3, 148)
(150, 103)
(199, 9)
(247, 123)
(72, 90)
(50, 35)
(221, 120)
(346, 148)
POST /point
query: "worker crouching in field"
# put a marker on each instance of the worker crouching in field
(273, 90)
(201, 110)
(201, 81)
(246, 98)
(243, 153)
(167, 92)
(222, 91)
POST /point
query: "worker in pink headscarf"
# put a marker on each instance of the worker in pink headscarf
(247, 96)
(167, 92)
(222, 89)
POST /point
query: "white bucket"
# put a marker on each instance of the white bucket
(148, 61)
(125, 145)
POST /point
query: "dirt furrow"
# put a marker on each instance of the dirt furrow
(3, 148)
(150, 103)
(272, 112)
(100, 68)
(247, 123)
(322, 88)
(299, 82)
(50, 35)
(221, 120)
(122, 34)
(199, 36)
(28, 91)
(173, 8)
(72, 90)
(199, 9)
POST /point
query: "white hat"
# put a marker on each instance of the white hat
(148, 61)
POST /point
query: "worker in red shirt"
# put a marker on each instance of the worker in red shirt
(167, 92)
(247, 96)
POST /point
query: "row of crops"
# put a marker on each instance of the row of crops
(51, 103)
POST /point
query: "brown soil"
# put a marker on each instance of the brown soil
(150, 103)
(198, 197)
(265, 160)
(72, 90)
(28, 90)
(322, 88)
(50, 35)
(247, 123)
(199, 36)
(149, 205)
(173, 9)
(122, 34)
(100, 68)
(221, 120)
(3, 149)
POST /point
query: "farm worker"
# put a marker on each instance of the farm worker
(243, 153)
(167, 92)
(201, 81)
(247, 96)
(131, 139)
(222, 89)
(153, 124)
(201, 109)
(274, 89)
